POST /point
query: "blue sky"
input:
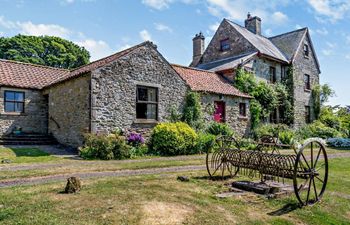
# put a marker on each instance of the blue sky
(107, 26)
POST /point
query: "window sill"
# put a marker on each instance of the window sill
(306, 57)
(145, 121)
(307, 90)
(13, 114)
(243, 117)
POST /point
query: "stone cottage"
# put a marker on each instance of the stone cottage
(133, 90)
(235, 46)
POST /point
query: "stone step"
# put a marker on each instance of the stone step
(27, 139)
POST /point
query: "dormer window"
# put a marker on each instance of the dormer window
(224, 45)
(306, 50)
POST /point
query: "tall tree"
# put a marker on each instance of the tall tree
(43, 50)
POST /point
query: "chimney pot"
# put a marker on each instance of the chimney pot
(253, 24)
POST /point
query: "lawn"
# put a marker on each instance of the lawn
(161, 199)
(25, 155)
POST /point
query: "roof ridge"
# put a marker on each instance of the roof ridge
(109, 56)
(293, 31)
(35, 65)
(192, 68)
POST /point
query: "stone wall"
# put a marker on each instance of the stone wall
(238, 44)
(241, 125)
(304, 65)
(261, 68)
(114, 91)
(34, 118)
(69, 110)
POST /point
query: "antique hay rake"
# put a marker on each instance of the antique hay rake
(307, 168)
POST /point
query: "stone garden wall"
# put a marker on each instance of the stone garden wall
(33, 120)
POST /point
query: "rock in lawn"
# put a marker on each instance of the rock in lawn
(73, 185)
(6, 161)
(183, 178)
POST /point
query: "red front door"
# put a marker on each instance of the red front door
(219, 114)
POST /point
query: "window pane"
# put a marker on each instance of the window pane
(19, 107)
(142, 94)
(9, 107)
(152, 95)
(152, 111)
(9, 96)
(141, 111)
(19, 96)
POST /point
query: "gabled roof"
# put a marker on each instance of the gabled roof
(227, 63)
(26, 75)
(289, 42)
(261, 43)
(207, 81)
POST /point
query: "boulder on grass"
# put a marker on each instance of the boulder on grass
(73, 185)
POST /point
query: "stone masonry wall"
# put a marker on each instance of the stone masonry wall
(33, 120)
(114, 91)
(241, 125)
(238, 44)
(69, 106)
(302, 97)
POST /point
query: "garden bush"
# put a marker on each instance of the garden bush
(270, 129)
(287, 137)
(339, 142)
(205, 143)
(173, 139)
(105, 147)
(317, 129)
(247, 144)
(217, 129)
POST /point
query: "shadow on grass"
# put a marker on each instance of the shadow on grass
(214, 178)
(290, 207)
(28, 152)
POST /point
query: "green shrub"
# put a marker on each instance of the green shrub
(247, 143)
(217, 129)
(105, 147)
(205, 143)
(286, 137)
(317, 129)
(192, 112)
(269, 129)
(173, 139)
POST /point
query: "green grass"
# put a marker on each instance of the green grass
(157, 199)
(25, 155)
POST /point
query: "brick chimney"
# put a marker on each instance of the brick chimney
(253, 24)
(198, 47)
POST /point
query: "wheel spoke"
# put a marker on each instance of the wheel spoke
(315, 190)
(305, 160)
(318, 155)
(308, 192)
(303, 185)
(320, 167)
(217, 168)
(320, 179)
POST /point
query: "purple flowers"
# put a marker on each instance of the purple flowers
(135, 139)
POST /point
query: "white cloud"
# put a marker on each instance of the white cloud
(322, 31)
(331, 45)
(214, 27)
(29, 28)
(157, 4)
(6, 23)
(331, 9)
(97, 49)
(238, 9)
(268, 32)
(124, 47)
(145, 35)
(279, 17)
(327, 52)
(163, 27)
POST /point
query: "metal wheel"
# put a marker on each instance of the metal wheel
(310, 172)
(218, 163)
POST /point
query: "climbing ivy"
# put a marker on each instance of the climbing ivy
(192, 113)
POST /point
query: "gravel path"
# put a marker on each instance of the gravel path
(120, 173)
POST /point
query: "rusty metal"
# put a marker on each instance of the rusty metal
(305, 168)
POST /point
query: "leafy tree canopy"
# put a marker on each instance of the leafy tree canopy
(43, 50)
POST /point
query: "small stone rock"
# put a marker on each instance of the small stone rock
(73, 185)
(183, 178)
(6, 161)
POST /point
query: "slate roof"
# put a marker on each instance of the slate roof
(227, 63)
(263, 44)
(26, 75)
(207, 81)
(289, 42)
